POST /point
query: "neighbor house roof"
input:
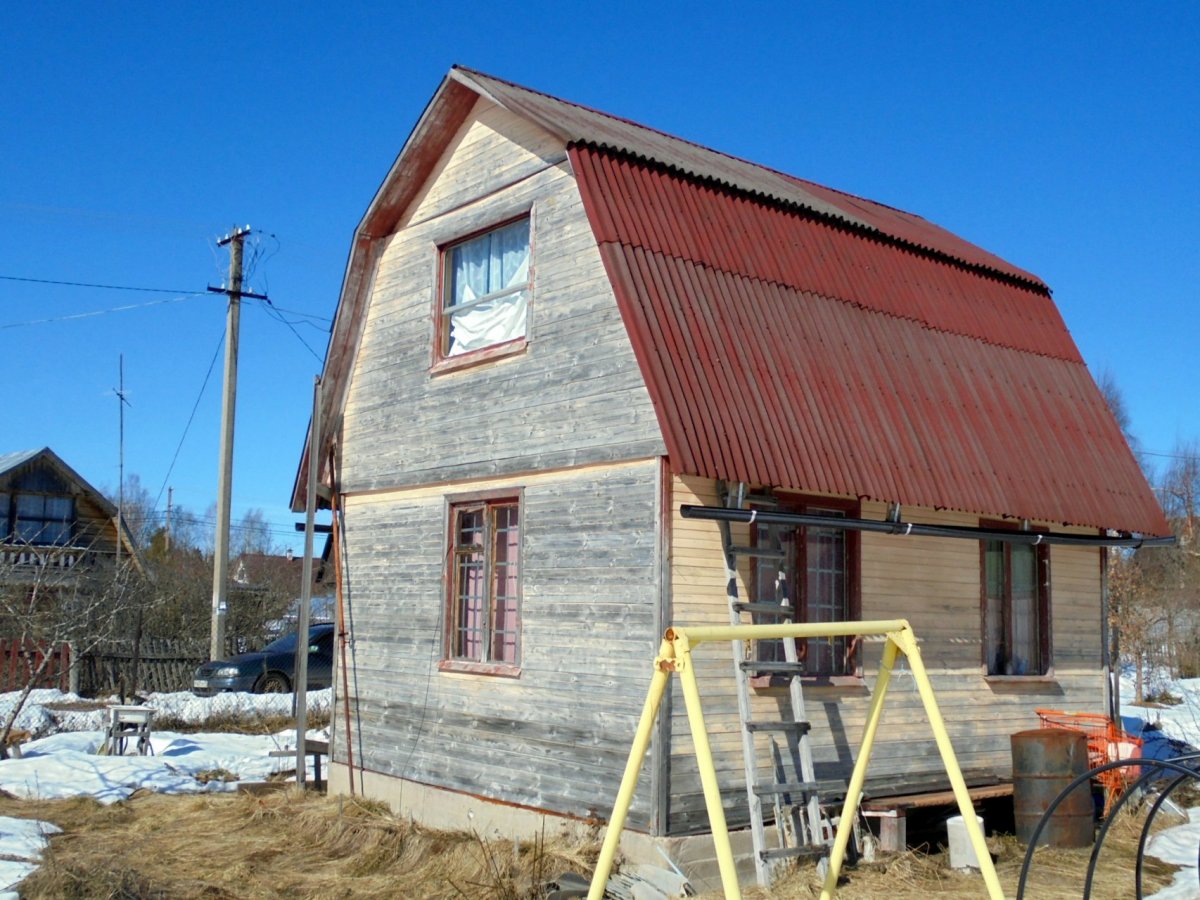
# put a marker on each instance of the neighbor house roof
(795, 335)
(12, 461)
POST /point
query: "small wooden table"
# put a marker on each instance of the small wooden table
(125, 724)
(314, 748)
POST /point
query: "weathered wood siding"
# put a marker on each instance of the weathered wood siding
(557, 737)
(932, 582)
(568, 421)
(574, 397)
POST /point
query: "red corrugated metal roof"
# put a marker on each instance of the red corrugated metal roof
(781, 347)
(575, 123)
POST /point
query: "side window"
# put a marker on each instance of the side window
(812, 570)
(485, 290)
(482, 618)
(1016, 608)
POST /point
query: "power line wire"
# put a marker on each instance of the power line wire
(1166, 455)
(99, 312)
(212, 364)
(303, 315)
(270, 310)
(84, 284)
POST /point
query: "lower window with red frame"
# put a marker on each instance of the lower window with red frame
(483, 621)
(812, 569)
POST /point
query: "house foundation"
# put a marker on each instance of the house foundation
(694, 855)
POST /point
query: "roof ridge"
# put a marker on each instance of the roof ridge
(796, 207)
(872, 216)
(643, 126)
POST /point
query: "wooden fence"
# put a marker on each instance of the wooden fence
(19, 659)
(164, 665)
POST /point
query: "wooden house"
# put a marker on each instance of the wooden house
(53, 523)
(556, 328)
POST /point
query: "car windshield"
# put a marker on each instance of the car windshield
(287, 643)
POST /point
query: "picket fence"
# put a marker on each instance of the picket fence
(163, 665)
(19, 659)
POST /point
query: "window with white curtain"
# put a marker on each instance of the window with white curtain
(486, 290)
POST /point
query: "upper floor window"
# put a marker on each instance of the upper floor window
(483, 616)
(485, 298)
(1016, 608)
(41, 518)
(811, 569)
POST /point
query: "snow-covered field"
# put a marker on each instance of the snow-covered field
(61, 759)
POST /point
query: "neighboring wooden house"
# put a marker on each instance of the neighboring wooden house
(53, 524)
(557, 327)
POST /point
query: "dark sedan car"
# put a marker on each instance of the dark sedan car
(271, 670)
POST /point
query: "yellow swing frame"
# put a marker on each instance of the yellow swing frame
(675, 655)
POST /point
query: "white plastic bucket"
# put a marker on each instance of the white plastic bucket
(962, 854)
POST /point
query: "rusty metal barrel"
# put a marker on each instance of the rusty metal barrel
(1045, 761)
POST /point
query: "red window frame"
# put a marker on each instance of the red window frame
(483, 584)
(844, 659)
(998, 638)
(442, 360)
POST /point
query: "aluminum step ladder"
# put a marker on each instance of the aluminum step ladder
(777, 753)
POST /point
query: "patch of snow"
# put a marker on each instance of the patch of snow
(62, 759)
(1178, 846)
(21, 844)
(1180, 721)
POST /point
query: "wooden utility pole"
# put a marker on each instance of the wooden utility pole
(225, 473)
(167, 536)
(304, 613)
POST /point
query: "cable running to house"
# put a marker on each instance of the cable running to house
(270, 310)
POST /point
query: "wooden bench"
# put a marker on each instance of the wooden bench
(892, 811)
(314, 748)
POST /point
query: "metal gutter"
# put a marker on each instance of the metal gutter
(723, 514)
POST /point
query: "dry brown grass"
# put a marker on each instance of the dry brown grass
(249, 722)
(285, 844)
(281, 844)
(1054, 875)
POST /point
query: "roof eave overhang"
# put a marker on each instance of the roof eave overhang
(443, 115)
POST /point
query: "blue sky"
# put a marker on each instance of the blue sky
(1063, 137)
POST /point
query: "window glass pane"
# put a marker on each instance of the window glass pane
(32, 506)
(771, 583)
(468, 584)
(505, 585)
(827, 594)
(493, 265)
(1026, 639)
(995, 649)
(59, 508)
